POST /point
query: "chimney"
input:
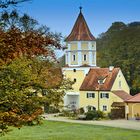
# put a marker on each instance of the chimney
(111, 68)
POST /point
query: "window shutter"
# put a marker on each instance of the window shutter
(87, 95)
(107, 95)
(93, 95)
(101, 96)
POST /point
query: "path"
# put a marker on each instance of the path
(128, 124)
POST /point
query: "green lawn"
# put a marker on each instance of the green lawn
(69, 131)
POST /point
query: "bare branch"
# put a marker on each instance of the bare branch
(7, 3)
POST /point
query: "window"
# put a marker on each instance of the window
(104, 95)
(74, 70)
(120, 84)
(100, 82)
(90, 95)
(74, 57)
(85, 57)
(73, 103)
(91, 108)
(104, 108)
(74, 80)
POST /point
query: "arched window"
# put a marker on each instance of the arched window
(91, 108)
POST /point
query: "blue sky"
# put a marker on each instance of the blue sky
(60, 15)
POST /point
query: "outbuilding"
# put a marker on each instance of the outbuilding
(133, 107)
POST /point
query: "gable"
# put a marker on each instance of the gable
(120, 83)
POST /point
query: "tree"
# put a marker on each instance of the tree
(12, 19)
(119, 46)
(27, 69)
(19, 36)
(7, 3)
(18, 101)
(22, 86)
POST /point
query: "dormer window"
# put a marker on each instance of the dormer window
(101, 80)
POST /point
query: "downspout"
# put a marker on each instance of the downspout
(127, 112)
(98, 100)
(98, 90)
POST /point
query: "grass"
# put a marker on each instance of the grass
(50, 130)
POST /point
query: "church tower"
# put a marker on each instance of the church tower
(80, 57)
(81, 45)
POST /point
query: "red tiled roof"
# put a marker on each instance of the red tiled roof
(122, 94)
(134, 99)
(80, 31)
(90, 82)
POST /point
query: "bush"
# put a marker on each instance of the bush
(90, 115)
(51, 109)
(81, 111)
(100, 114)
(69, 113)
(94, 115)
(137, 116)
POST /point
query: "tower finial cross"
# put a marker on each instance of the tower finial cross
(80, 8)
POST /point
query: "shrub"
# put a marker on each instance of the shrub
(100, 114)
(51, 109)
(94, 115)
(81, 110)
(69, 113)
(90, 115)
(137, 116)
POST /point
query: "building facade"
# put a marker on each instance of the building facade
(95, 88)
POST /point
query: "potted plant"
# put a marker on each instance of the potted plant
(137, 116)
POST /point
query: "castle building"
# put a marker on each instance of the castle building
(94, 87)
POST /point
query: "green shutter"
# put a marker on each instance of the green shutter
(101, 95)
(93, 95)
(107, 95)
(87, 95)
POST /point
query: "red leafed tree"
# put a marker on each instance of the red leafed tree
(22, 36)
(15, 43)
(27, 69)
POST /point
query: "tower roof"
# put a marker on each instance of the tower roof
(80, 31)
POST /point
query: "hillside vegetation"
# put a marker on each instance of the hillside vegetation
(120, 47)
